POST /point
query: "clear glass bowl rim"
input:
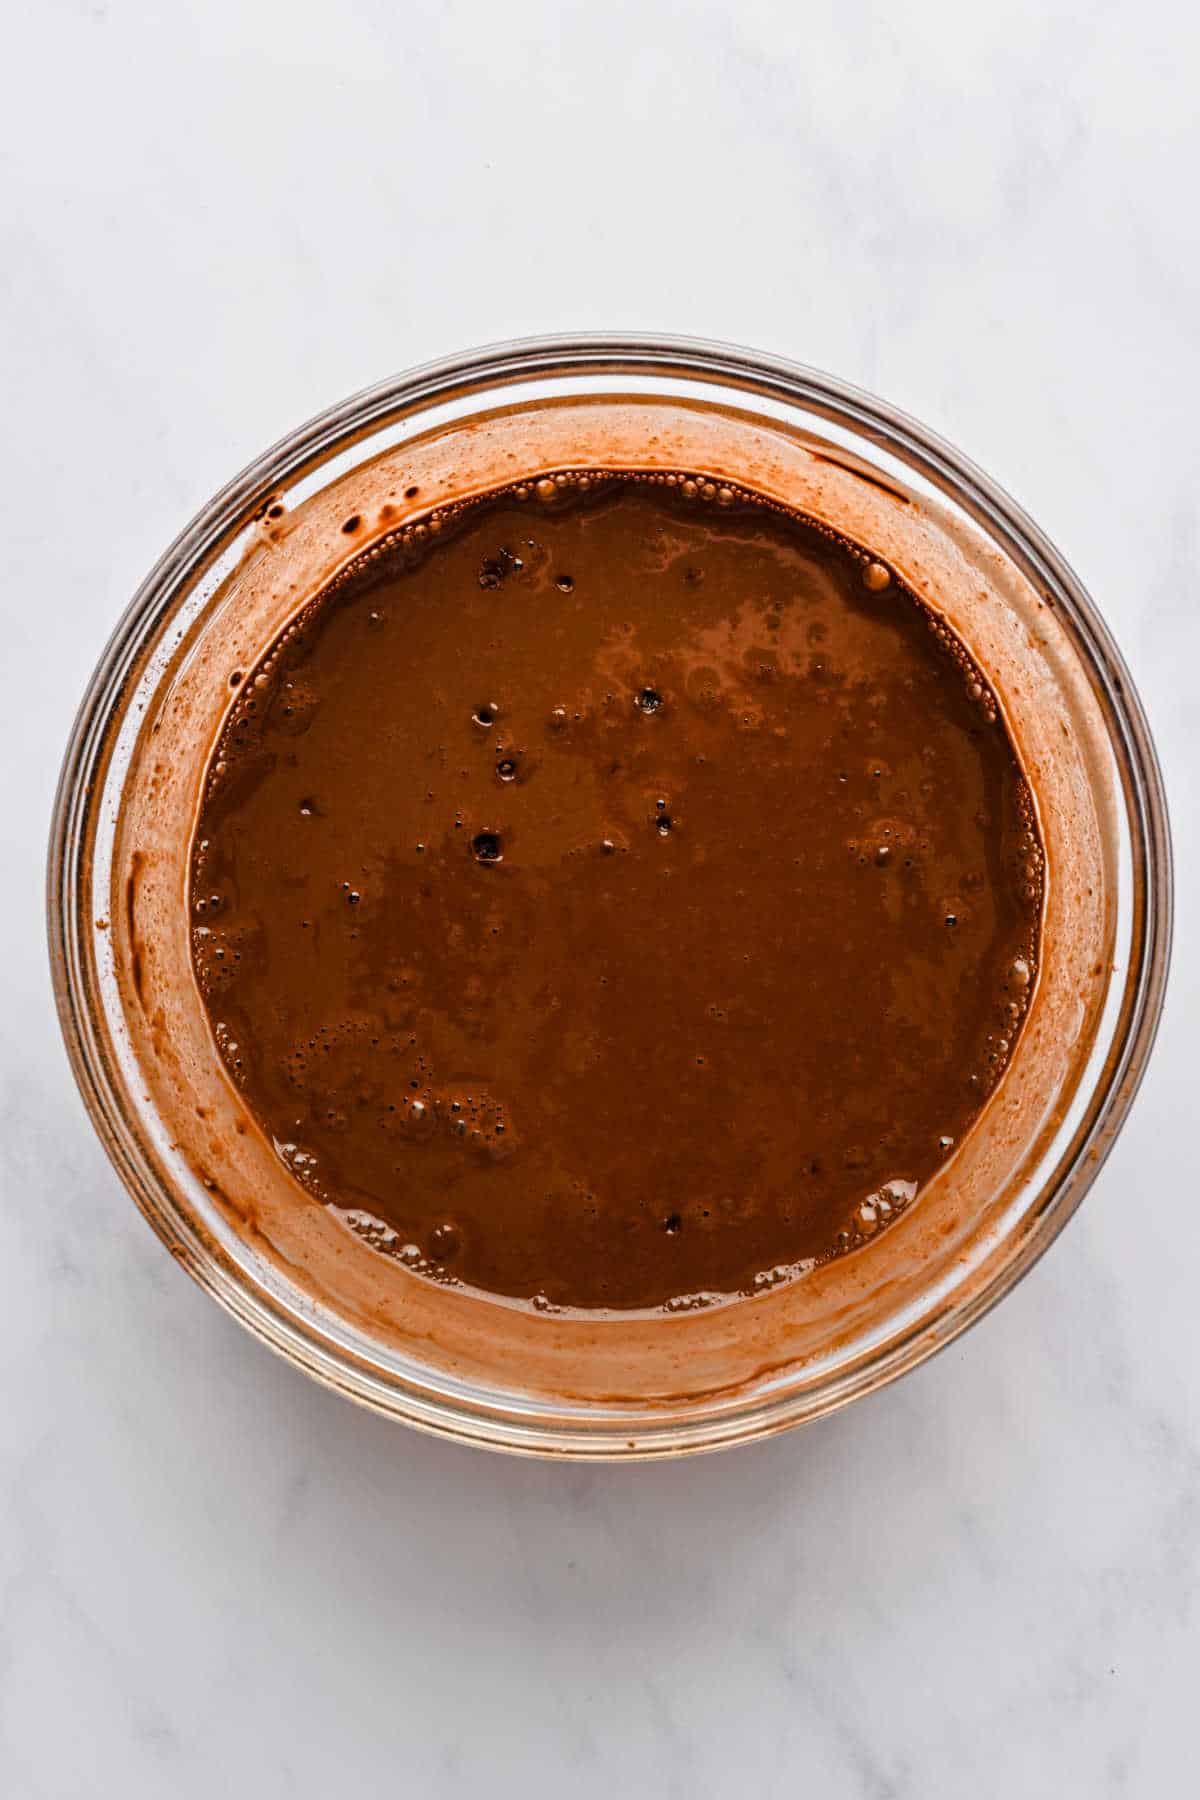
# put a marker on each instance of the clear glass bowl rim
(641, 355)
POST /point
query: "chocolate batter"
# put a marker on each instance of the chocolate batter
(622, 894)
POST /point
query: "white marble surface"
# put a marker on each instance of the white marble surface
(219, 1579)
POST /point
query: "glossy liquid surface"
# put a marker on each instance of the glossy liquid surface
(619, 899)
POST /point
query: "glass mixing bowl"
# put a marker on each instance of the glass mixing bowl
(624, 1386)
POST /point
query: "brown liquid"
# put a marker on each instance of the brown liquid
(620, 899)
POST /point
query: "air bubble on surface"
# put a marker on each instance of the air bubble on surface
(445, 1240)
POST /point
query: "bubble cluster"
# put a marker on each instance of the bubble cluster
(378, 1235)
(687, 1303)
(782, 1272)
(875, 1211)
(495, 570)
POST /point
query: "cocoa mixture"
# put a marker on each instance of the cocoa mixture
(625, 896)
